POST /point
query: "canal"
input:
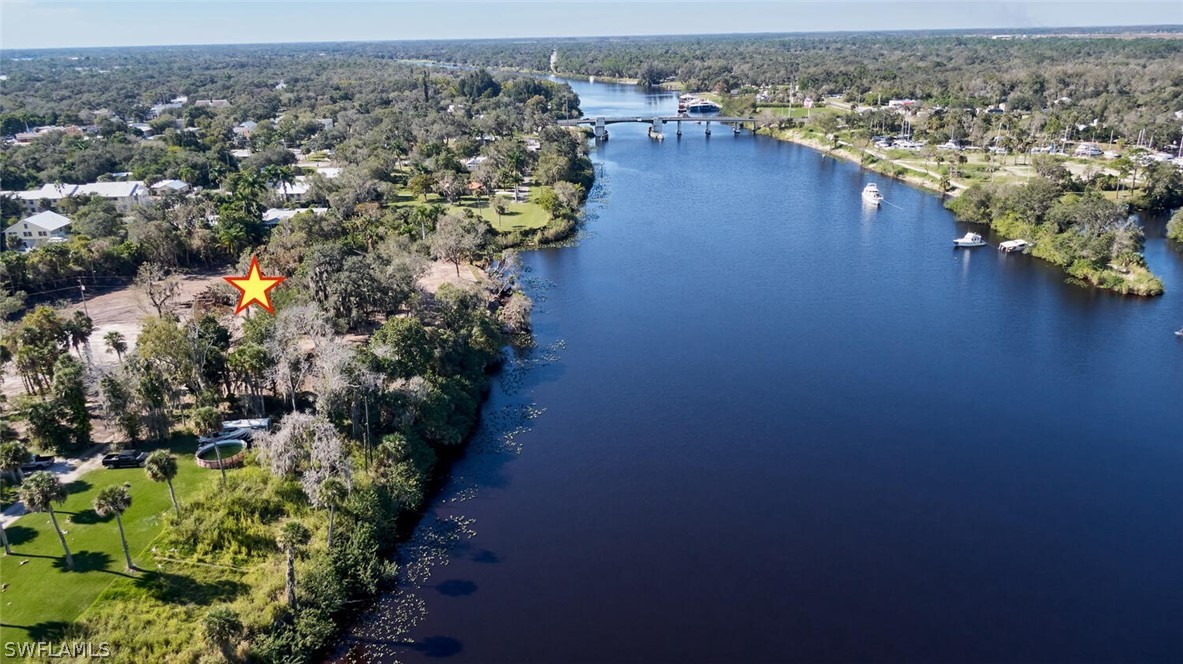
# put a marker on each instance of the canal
(764, 423)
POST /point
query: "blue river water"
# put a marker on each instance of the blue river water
(764, 423)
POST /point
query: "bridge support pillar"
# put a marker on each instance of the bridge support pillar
(708, 127)
(679, 129)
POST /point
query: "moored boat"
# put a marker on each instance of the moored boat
(1014, 245)
(691, 105)
(871, 195)
(969, 240)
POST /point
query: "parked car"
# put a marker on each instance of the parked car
(125, 459)
(38, 462)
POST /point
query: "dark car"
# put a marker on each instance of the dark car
(38, 462)
(125, 459)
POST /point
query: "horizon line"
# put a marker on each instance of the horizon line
(1158, 27)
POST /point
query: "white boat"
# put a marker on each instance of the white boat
(970, 240)
(258, 424)
(1014, 245)
(1179, 332)
(871, 195)
(691, 105)
(225, 435)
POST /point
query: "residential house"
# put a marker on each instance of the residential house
(125, 195)
(213, 103)
(45, 198)
(37, 230)
(273, 216)
(246, 128)
(471, 164)
(166, 186)
(158, 109)
(296, 191)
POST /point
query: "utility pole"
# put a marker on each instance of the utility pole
(369, 442)
(82, 289)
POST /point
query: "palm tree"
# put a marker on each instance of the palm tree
(292, 539)
(79, 327)
(332, 493)
(221, 626)
(39, 492)
(13, 455)
(116, 343)
(161, 466)
(115, 500)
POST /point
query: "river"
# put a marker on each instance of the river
(764, 423)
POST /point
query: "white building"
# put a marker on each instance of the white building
(296, 191)
(39, 229)
(165, 186)
(125, 195)
(473, 163)
(273, 216)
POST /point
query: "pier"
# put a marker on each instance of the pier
(656, 122)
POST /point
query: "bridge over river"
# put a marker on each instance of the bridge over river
(656, 122)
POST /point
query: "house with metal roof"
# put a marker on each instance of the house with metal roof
(42, 228)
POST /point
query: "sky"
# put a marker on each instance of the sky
(55, 24)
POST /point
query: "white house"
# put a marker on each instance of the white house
(125, 195)
(165, 186)
(471, 164)
(273, 216)
(50, 195)
(296, 191)
(41, 228)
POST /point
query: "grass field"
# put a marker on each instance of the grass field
(41, 597)
(520, 216)
(796, 111)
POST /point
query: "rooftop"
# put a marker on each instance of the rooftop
(50, 221)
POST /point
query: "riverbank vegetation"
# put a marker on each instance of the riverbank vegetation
(1175, 227)
(1092, 238)
(400, 296)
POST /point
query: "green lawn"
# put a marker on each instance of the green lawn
(796, 111)
(41, 598)
(520, 216)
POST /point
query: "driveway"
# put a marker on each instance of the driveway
(67, 471)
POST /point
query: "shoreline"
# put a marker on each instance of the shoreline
(843, 152)
(1107, 279)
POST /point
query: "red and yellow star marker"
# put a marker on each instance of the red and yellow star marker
(254, 287)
